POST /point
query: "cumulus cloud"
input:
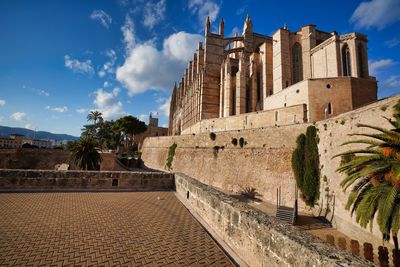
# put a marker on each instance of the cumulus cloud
(19, 116)
(108, 67)
(204, 8)
(78, 66)
(376, 13)
(2, 102)
(101, 17)
(376, 65)
(60, 109)
(82, 110)
(154, 13)
(108, 104)
(142, 117)
(146, 67)
(128, 31)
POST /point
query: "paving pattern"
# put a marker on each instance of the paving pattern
(102, 229)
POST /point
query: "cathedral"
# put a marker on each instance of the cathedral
(289, 77)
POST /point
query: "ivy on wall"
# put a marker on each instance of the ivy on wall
(305, 165)
(170, 158)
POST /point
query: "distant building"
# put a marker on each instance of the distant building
(152, 130)
(17, 140)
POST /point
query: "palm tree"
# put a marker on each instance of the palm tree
(374, 173)
(85, 154)
(94, 116)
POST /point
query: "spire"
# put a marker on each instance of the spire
(248, 25)
(221, 27)
(285, 26)
(208, 25)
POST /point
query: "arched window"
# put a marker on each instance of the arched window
(361, 61)
(346, 60)
(297, 64)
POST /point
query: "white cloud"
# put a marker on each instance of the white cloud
(82, 110)
(146, 67)
(78, 66)
(1, 118)
(106, 84)
(47, 107)
(376, 65)
(29, 126)
(154, 13)
(102, 17)
(60, 109)
(128, 32)
(108, 104)
(204, 8)
(41, 92)
(2, 102)
(163, 108)
(376, 13)
(392, 82)
(393, 42)
(143, 117)
(19, 116)
(108, 67)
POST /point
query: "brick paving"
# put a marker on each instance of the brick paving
(102, 229)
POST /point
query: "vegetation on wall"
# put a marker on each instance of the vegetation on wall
(170, 158)
(305, 165)
(374, 173)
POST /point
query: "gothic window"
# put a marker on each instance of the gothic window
(361, 61)
(233, 101)
(346, 59)
(297, 64)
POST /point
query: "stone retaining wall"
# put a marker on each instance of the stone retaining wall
(11, 180)
(260, 240)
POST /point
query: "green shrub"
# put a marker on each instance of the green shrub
(241, 141)
(170, 158)
(305, 165)
(234, 141)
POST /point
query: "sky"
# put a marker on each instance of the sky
(59, 60)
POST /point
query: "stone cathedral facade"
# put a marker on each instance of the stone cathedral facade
(289, 77)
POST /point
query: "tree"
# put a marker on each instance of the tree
(95, 116)
(130, 126)
(374, 173)
(85, 154)
(305, 165)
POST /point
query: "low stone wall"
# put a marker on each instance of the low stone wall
(260, 240)
(275, 117)
(11, 180)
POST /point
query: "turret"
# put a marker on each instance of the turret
(221, 27)
(207, 30)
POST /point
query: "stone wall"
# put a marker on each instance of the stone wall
(262, 162)
(259, 240)
(277, 117)
(47, 159)
(332, 133)
(83, 180)
(26, 158)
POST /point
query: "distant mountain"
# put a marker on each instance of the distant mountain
(5, 131)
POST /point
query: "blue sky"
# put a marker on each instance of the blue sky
(61, 59)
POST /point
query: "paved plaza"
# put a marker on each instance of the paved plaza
(103, 229)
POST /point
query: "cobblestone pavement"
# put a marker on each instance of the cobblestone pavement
(102, 229)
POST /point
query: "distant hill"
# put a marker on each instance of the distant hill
(5, 131)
